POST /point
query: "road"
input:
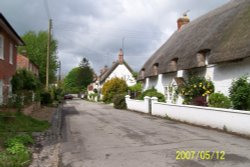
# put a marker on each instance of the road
(96, 135)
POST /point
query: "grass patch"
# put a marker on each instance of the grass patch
(18, 122)
(15, 137)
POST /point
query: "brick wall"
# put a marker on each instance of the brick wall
(7, 70)
(24, 63)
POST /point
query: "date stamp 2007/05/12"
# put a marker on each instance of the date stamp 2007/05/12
(200, 155)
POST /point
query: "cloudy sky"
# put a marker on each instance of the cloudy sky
(97, 29)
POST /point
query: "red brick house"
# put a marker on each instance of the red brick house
(9, 40)
(24, 62)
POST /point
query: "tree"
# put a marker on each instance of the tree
(113, 87)
(79, 78)
(84, 63)
(36, 49)
(70, 81)
(24, 80)
(85, 74)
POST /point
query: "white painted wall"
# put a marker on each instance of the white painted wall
(234, 120)
(159, 84)
(121, 71)
(152, 82)
(225, 73)
(138, 105)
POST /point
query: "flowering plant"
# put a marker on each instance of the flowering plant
(195, 87)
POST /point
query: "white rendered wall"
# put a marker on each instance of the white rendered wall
(159, 85)
(137, 105)
(121, 71)
(225, 73)
(152, 82)
(233, 120)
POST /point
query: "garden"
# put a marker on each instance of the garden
(199, 91)
(16, 128)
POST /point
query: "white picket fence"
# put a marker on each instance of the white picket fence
(225, 119)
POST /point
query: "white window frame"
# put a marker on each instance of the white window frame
(11, 53)
(1, 92)
(2, 47)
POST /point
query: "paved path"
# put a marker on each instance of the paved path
(96, 135)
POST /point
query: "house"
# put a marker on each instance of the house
(119, 69)
(216, 46)
(24, 62)
(9, 40)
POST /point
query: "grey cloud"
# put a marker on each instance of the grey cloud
(94, 29)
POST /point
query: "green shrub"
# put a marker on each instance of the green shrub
(119, 101)
(22, 138)
(20, 159)
(219, 100)
(135, 90)
(17, 147)
(16, 153)
(25, 80)
(46, 98)
(240, 93)
(152, 93)
(113, 87)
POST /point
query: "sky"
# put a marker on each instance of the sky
(97, 29)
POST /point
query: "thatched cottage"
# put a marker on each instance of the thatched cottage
(119, 69)
(216, 46)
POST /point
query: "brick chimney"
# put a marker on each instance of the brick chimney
(120, 57)
(182, 21)
(105, 69)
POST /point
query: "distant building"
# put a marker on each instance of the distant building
(119, 69)
(215, 46)
(24, 62)
(9, 40)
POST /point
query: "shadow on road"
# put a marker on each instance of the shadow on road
(66, 112)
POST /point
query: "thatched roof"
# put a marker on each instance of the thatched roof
(223, 32)
(106, 73)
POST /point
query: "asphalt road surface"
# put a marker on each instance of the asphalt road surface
(96, 135)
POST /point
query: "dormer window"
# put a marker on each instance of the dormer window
(142, 74)
(155, 69)
(173, 64)
(202, 57)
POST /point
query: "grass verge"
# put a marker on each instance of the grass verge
(15, 137)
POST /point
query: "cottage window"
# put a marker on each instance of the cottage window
(173, 64)
(11, 54)
(202, 57)
(1, 47)
(142, 73)
(155, 69)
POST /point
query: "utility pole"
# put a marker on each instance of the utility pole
(48, 55)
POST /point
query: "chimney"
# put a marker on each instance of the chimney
(105, 68)
(182, 21)
(101, 71)
(120, 57)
